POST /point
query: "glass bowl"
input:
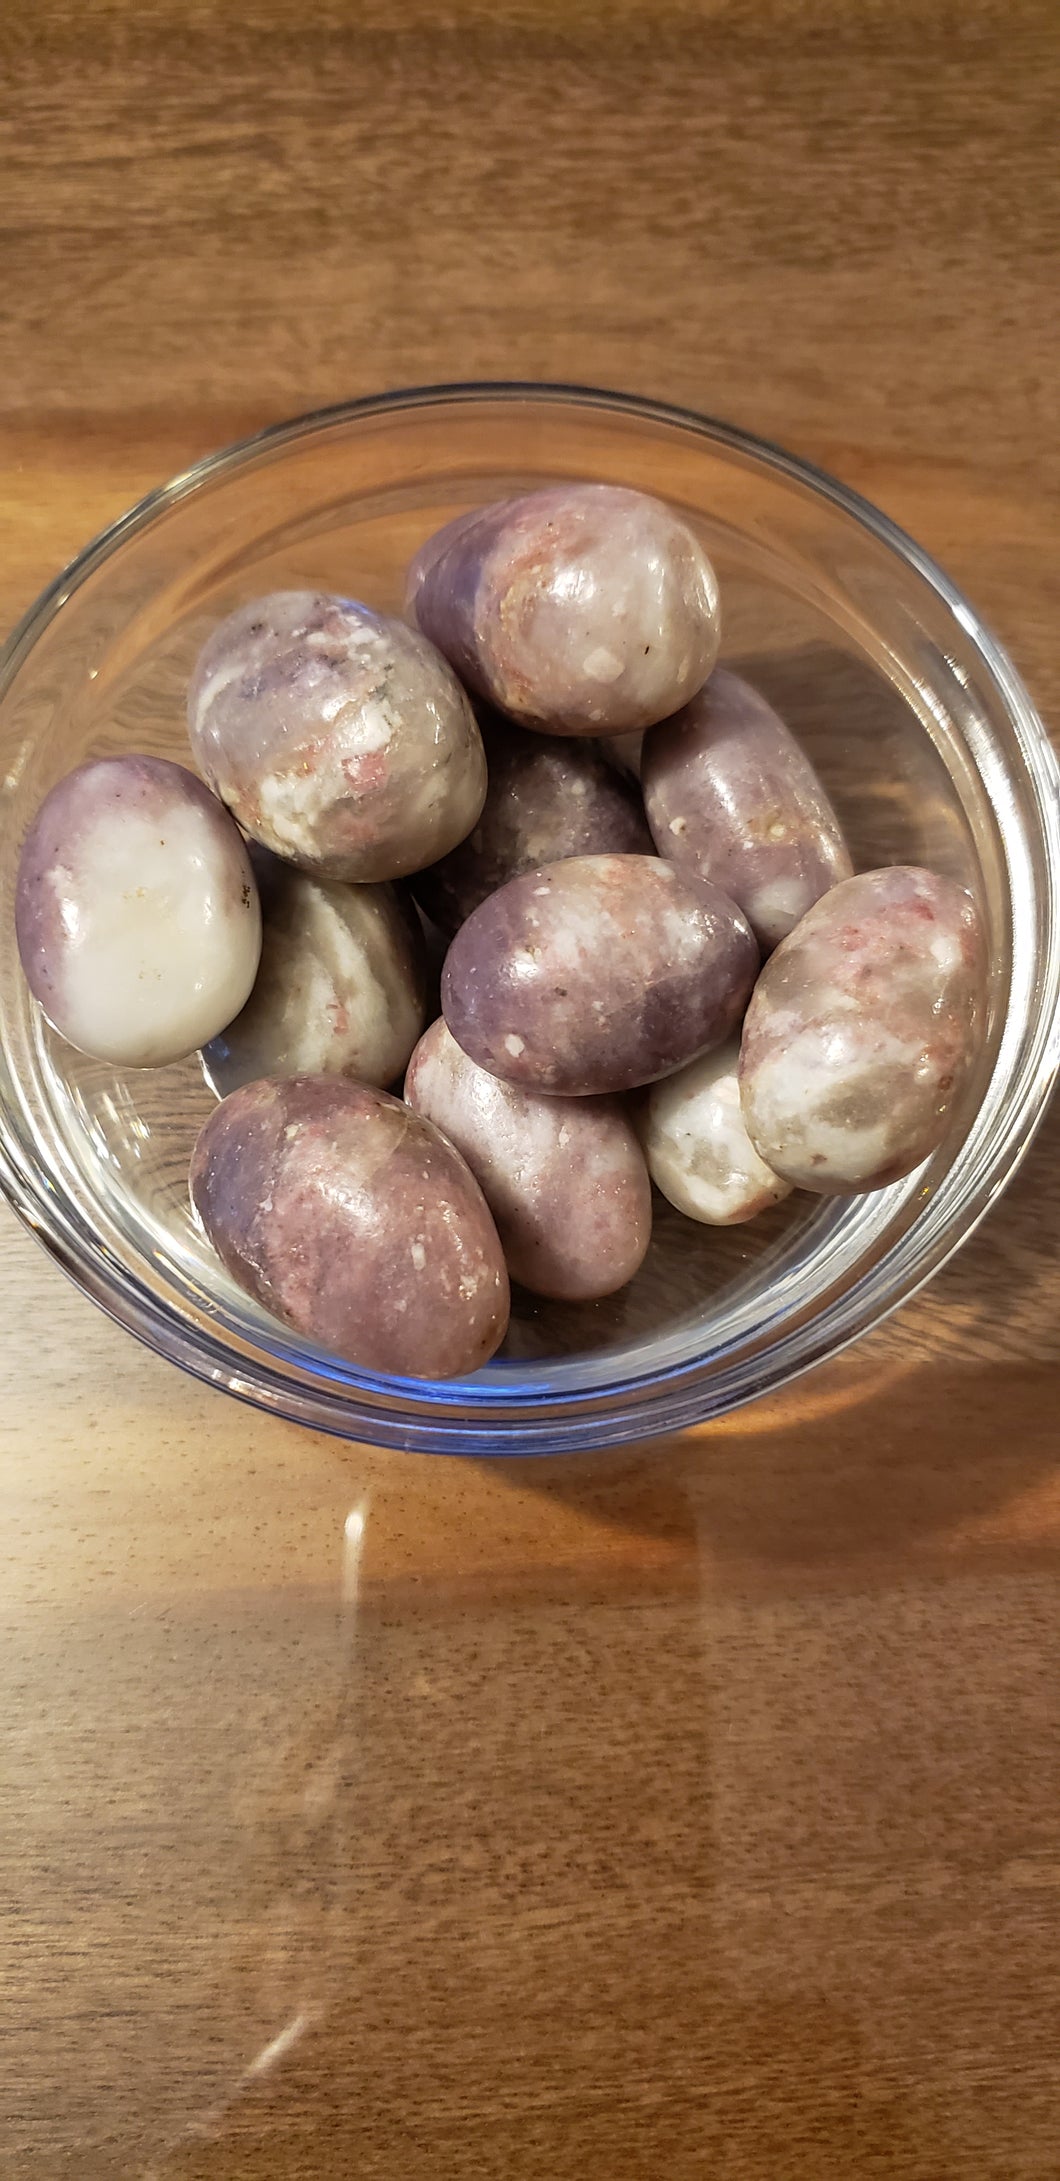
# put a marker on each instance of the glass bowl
(913, 714)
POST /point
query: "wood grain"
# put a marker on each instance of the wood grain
(689, 1813)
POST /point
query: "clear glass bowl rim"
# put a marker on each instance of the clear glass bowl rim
(411, 1414)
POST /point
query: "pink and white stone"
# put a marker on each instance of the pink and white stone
(339, 737)
(863, 1029)
(136, 911)
(565, 1178)
(597, 974)
(549, 796)
(579, 609)
(732, 797)
(341, 989)
(697, 1146)
(352, 1219)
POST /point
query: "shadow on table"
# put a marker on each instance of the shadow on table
(936, 1427)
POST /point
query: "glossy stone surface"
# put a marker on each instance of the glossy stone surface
(341, 988)
(548, 797)
(862, 1031)
(565, 1178)
(732, 797)
(136, 911)
(339, 737)
(579, 609)
(597, 974)
(352, 1219)
(697, 1146)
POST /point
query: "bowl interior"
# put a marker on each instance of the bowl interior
(839, 628)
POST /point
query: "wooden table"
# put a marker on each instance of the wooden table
(686, 1815)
